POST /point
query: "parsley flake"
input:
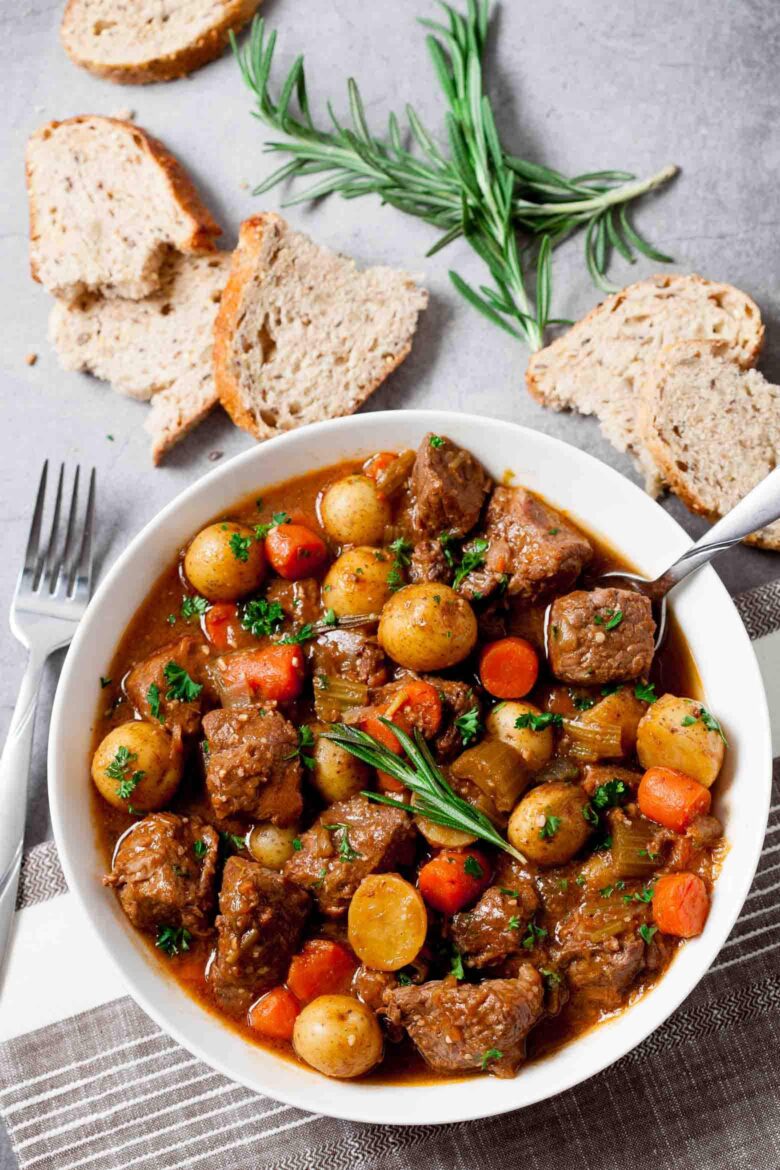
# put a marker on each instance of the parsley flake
(346, 852)
(646, 932)
(489, 1056)
(239, 546)
(278, 518)
(153, 699)
(468, 725)
(611, 794)
(193, 606)
(472, 867)
(645, 692)
(105, 682)
(473, 558)
(550, 827)
(533, 935)
(200, 848)
(456, 964)
(119, 769)
(261, 617)
(180, 685)
(173, 939)
(436, 441)
(538, 722)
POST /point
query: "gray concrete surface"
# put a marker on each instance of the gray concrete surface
(580, 84)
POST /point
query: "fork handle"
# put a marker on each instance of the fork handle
(14, 775)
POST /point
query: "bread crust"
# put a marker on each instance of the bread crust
(204, 228)
(168, 66)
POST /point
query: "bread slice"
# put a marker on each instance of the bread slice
(107, 202)
(598, 365)
(712, 428)
(137, 41)
(301, 335)
(159, 348)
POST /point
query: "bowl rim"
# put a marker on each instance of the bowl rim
(374, 1106)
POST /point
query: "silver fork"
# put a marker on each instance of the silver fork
(51, 595)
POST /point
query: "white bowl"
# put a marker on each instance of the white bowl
(608, 505)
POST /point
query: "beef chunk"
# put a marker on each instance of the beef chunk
(300, 600)
(428, 563)
(382, 839)
(601, 970)
(191, 655)
(259, 928)
(350, 654)
(161, 879)
(494, 928)
(251, 767)
(602, 636)
(455, 1025)
(532, 550)
(371, 986)
(596, 775)
(449, 487)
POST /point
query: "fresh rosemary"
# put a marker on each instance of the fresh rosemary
(435, 798)
(477, 190)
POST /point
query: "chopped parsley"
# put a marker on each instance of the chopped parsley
(610, 619)
(514, 922)
(401, 549)
(611, 689)
(604, 844)
(550, 827)
(303, 750)
(473, 558)
(533, 935)
(580, 879)
(105, 682)
(200, 848)
(239, 546)
(261, 617)
(583, 702)
(329, 617)
(648, 853)
(563, 884)
(468, 725)
(171, 619)
(446, 541)
(645, 692)
(193, 606)
(646, 932)
(607, 891)
(456, 964)
(304, 634)
(259, 503)
(644, 895)
(509, 893)
(297, 844)
(119, 770)
(231, 842)
(180, 685)
(553, 531)
(153, 699)
(346, 852)
(709, 721)
(278, 518)
(489, 1056)
(551, 978)
(590, 815)
(472, 867)
(538, 722)
(611, 794)
(173, 939)
(404, 980)
(436, 441)
(322, 682)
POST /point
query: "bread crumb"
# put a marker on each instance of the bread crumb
(31, 359)
(124, 114)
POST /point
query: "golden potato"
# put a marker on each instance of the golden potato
(337, 774)
(338, 1035)
(548, 825)
(536, 747)
(270, 845)
(354, 512)
(357, 582)
(680, 733)
(439, 836)
(387, 922)
(225, 562)
(138, 765)
(427, 627)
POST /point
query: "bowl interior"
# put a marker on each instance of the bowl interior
(608, 505)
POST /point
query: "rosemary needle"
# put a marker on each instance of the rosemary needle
(477, 189)
(435, 799)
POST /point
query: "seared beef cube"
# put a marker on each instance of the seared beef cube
(532, 549)
(371, 986)
(300, 600)
(600, 970)
(602, 636)
(449, 487)
(350, 654)
(457, 699)
(494, 928)
(259, 929)
(459, 1027)
(351, 839)
(188, 654)
(164, 872)
(252, 769)
(428, 563)
(600, 775)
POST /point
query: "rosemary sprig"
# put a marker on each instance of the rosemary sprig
(478, 190)
(418, 772)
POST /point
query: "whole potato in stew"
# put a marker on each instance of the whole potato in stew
(357, 582)
(354, 512)
(681, 733)
(138, 764)
(536, 747)
(337, 774)
(225, 562)
(270, 845)
(338, 1035)
(548, 825)
(427, 627)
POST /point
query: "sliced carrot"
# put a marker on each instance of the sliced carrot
(220, 625)
(275, 1014)
(672, 798)
(509, 668)
(294, 551)
(275, 672)
(417, 704)
(680, 904)
(322, 967)
(372, 725)
(454, 878)
(378, 463)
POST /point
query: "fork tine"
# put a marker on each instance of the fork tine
(82, 579)
(60, 573)
(31, 553)
(48, 559)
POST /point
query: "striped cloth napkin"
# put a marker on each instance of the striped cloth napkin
(101, 1087)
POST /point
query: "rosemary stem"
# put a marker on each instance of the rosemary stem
(586, 207)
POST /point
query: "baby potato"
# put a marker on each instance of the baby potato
(338, 1035)
(673, 733)
(536, 747)
(427, 627)
(225, 562)
(354, 512)
(270, 845)
(356, 583)
(137, 764)
(439, 835)
(548, 825)
(387, 922)
(337, 774)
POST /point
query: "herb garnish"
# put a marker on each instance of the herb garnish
(200, 848)
(231, 842)
(538, 722)
(262, 530)
(105, 682)
(533, 935)
(468, 725)
(346, 852)
(514, 922)
(436, 441)
(644, 895)
(401, 550)
(551, 978)
(180, 685)
(193, 606)
(472, 867)
(709, 721)
(173, 939)
(239, 546)
(304, 634)
(489, 1056)
(611, 794)
(118, 770)
(613, 619)
(473, 558)
(646, 932)
(645, 692)
(303, 750)
(550, 827)
(153, 699)
(261, 617)
(456, 964)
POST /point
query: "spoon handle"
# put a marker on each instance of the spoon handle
(759, 507)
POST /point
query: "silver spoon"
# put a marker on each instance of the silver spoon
(758, 508)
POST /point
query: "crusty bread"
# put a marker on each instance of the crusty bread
(712, 428)
(158, 348)
(107, 202)
(597, 366)
(137, 41)
(301, 335)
